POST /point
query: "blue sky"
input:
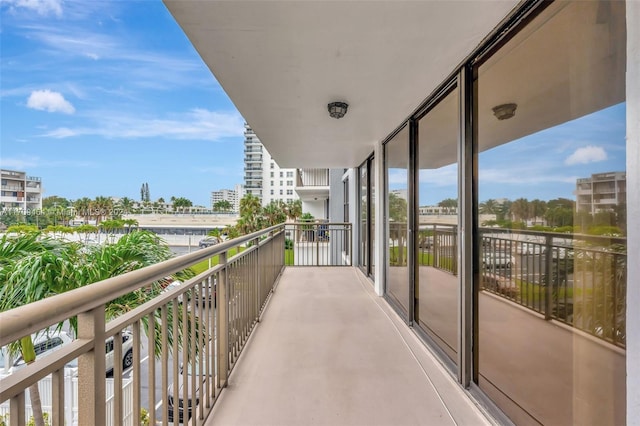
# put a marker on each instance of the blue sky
(544, 165)
(98, 97)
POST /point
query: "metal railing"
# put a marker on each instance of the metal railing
(195, 332)
(579, 280)
(318, 244)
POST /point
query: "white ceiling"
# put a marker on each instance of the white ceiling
(282, 62)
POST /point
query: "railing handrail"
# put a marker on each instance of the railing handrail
(30, 318)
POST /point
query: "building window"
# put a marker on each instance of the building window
(272, 174)
(273, 165)
(281, 192)
(289, 174)
(289, 191)
(289, 183)
(272, 192)
(281, 174)
(281, 183)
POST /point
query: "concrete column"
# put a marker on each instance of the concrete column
(379, 231)
(633, 212)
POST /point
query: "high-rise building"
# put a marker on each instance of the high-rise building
(262, 175)
(601, 192)
(20, 191)
(233, 196)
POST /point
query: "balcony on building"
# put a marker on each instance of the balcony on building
(312, 184)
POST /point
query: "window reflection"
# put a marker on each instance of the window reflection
(397, 169)
(438, 279)
(364, 223)
(551, 191)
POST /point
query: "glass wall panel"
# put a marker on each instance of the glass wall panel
(552, 215)
(438, 279)
(372, 216)
(364, 222)
(396, 154)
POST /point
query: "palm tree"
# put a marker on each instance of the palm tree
(86, 230)
(293, 210)
(274, 213)
(34, 266)
(222, 206)
(520, 209)
(130, 223)
(250, 214)
(101, 207)
(82, 207)
(490, 206)
(126, 204)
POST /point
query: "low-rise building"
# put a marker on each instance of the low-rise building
(20, 191)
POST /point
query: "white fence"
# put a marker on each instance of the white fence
(72, 399)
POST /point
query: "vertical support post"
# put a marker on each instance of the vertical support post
(91, 369)
(151, 343)
(57, 381)
(467, 225)
(259, 273)
(413, 226)
(223, 322)
(316, 233)
(117, 379)
(548, 270)
(137, 348)
(16, 410)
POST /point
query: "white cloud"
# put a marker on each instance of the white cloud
(586, 155)
(444, 176)
(26, 163)
(46, 100)
(42, 7)
(19, 163)
(198, 124)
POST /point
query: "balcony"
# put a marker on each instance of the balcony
(318, 346)
(312, 184)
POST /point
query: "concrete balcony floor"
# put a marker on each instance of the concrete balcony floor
(328, 351)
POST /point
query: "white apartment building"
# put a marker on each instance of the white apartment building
(20, 191)
(262, 175)
(233, 196)
(601, 192)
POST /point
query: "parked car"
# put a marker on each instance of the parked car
(206, 296)
(498, 259)
(176, 409)
(46, 343)
(208, 242)
(530, 248)
(127, 352)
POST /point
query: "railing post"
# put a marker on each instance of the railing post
(549, 276)
(316, 234)
(435, 248)
(223, 322)
(350, 245)
(91, 369)
(258, 279)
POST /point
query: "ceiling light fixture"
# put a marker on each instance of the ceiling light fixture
(505, 111)
(337, 109)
